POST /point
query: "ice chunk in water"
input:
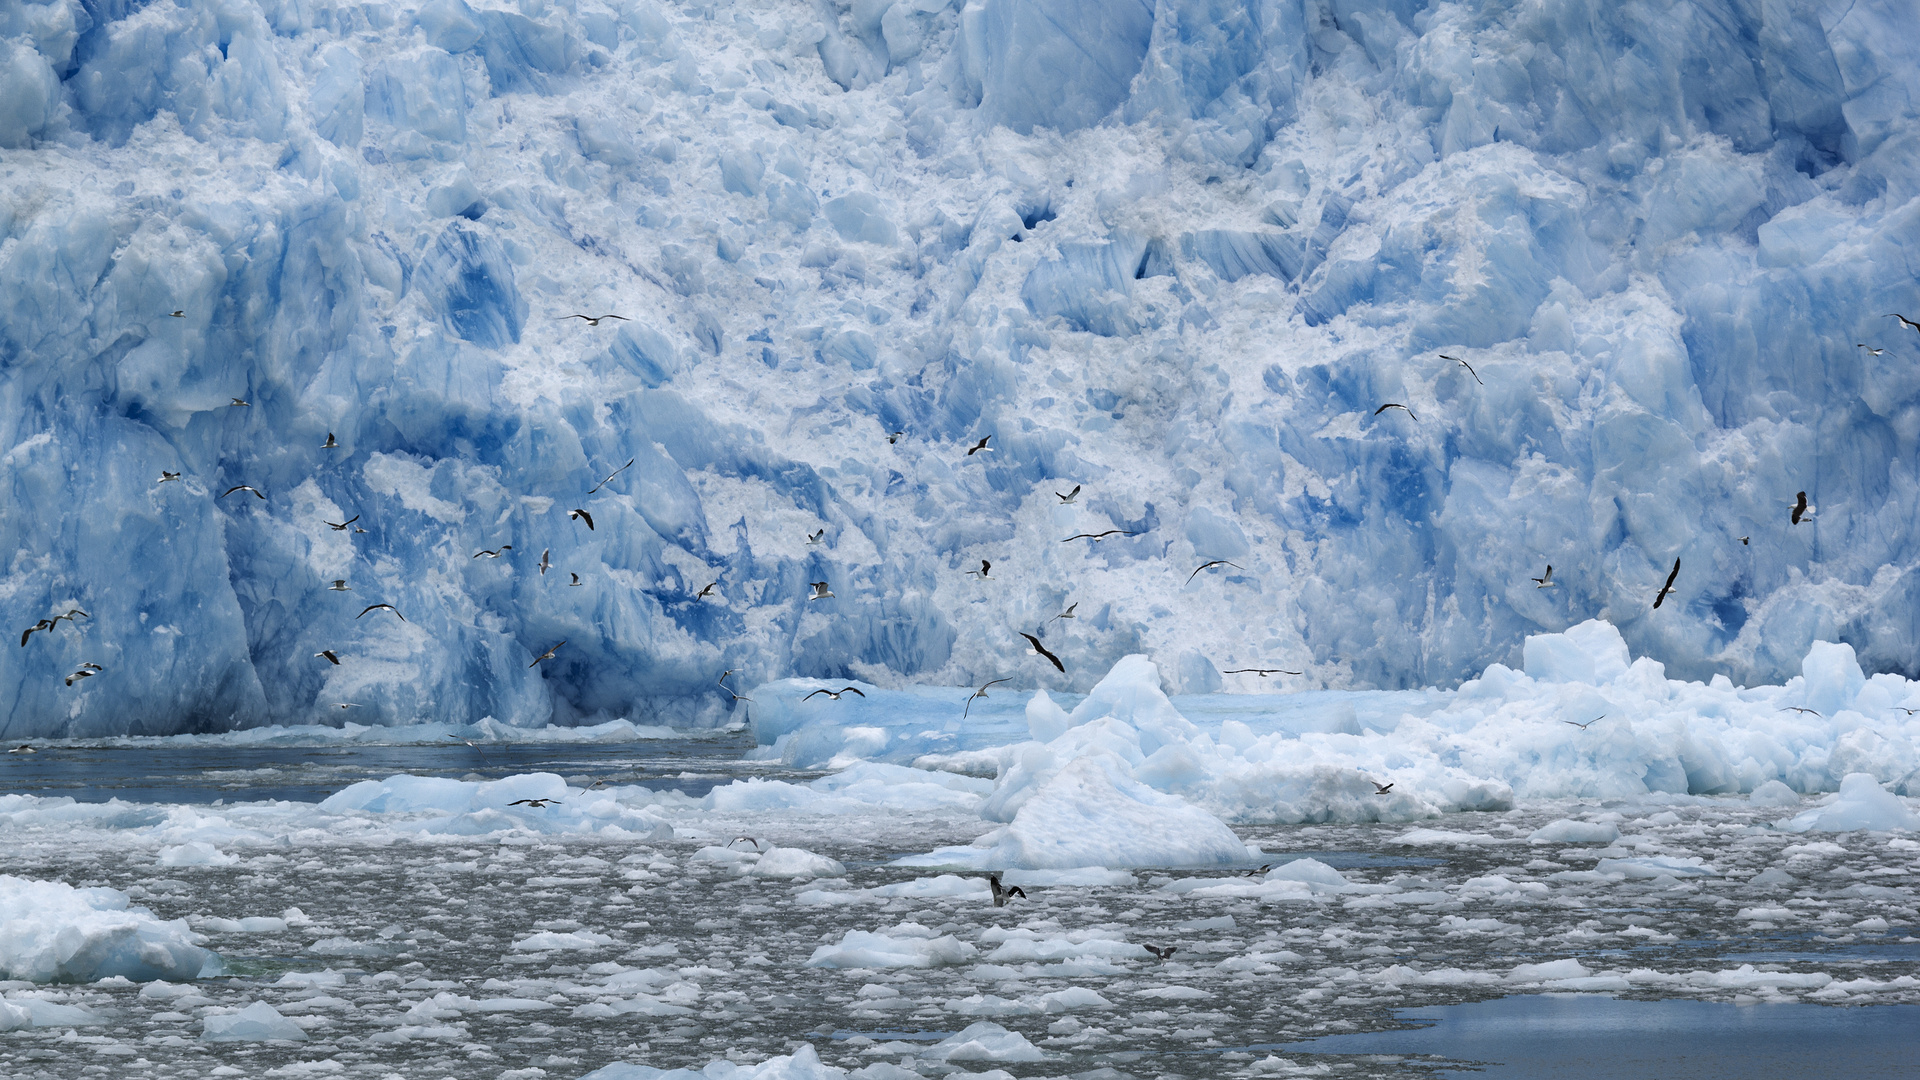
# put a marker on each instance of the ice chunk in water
(53, 932)
(258, 1022)
(803, 1064)
(1861, 803)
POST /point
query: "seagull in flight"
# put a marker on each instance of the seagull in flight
(346, 705)
(340, 585)
(835, 694)
(331, 658)
(1871, 351)
(1209, 565)
(329, 444)
(1067, 499)
(1394, 405)
(545, 562)
(87, 671)
(1003, 893)
(1803, 710)
(494, 554)
(341, 526)
(706, 592)
(537, 804)
(72, 613)
(814, 538)
(895, 436)
(1380, 788)
(548, 655)
(382, 607)
(748, 839)
(613, 474)
(576, 582)
(240, 403)
(979, 446)
(1801, 509)
(985, 566)
(1098, 536)
(723, 685)
(1263, 672)
(1462, 363)
(820, 591)
(980, 693)
(1042, 650)
(1586, 725)
(177, 314)
(243, 487)
(23, 748)
(43, 624)
(1668, 587)
(1162, 952)
(1258, 870)
(592, 320)
(167, 477)
(581, 515)
(1544, 581)
(1067, 614)
(1904, 321)
(1745, 541)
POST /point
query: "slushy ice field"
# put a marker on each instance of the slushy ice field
(820, 907)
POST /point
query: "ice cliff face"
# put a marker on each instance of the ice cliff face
(1174, 251)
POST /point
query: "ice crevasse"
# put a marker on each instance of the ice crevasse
(1175, 252)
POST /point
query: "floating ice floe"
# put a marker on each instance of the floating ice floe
(1861, 803)
(909, 945)
(53, 932)
(258, 1022)
(802, 1064)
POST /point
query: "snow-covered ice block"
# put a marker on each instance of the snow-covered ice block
(1092, 813)
(984, 1040)
(1566, 831)
(195, 853)
(802, 1064)
(31, 1010)
(1861, 803)
(1592, 652)
(258, 1022)
(796, 864)
(867, 949)
(53, 932)
(554, 940)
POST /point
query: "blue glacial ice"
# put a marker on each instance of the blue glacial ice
(1174, 251)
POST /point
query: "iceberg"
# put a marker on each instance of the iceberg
(1175, 253)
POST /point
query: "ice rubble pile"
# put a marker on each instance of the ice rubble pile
(1126, 779)
(53, 932)
(1176, 251)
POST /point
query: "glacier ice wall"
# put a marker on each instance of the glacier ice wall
(1174, 251)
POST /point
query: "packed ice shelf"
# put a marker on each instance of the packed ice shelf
(1172, 255)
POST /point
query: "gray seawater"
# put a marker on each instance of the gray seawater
(1596, 1037)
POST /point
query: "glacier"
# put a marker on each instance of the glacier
(1174, 251)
